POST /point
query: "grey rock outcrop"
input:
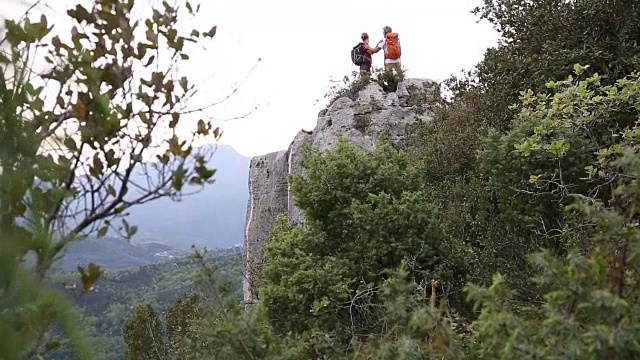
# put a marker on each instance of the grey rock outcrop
(360, 120)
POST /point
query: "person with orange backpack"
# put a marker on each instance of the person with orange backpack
(392, 51)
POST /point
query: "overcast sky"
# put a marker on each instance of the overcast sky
(305, 44)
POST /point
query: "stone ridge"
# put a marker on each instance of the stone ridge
(360, 121)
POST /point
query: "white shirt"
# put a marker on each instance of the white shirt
(383, 45)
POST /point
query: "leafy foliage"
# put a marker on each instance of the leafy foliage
(588, 309)
(365, 213)
(519, 197)
(586, 305)
(148, 338)
(67, 160)
(144, 335)
(541, 41)
(115, 297)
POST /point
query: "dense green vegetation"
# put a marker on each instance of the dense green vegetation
(115, 296)
(519, 197)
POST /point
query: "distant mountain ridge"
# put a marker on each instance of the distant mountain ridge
(213, 218)
(112, 253)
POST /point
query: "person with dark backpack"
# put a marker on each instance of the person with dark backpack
(361, 54)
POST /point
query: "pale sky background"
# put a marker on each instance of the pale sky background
(303, 45)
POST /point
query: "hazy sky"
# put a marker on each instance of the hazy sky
(303, 45)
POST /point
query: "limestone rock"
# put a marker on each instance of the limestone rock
(268, 196)
(360, 121)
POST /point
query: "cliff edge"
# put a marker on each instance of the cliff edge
(360, 119)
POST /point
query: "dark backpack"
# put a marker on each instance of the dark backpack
(358, 56)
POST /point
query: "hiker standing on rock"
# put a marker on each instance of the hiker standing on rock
(361, 55)
(392, 51)
(366, 65)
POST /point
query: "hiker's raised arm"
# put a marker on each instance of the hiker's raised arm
(378, 47)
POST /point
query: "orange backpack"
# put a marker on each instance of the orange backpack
(393, 46)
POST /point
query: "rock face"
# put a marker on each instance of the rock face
(360, 120)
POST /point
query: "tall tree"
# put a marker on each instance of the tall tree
(144, 335)
(542, 40)
(110, 105)
(183, 319)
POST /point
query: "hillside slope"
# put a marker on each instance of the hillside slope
(113, 253)
(117, 293)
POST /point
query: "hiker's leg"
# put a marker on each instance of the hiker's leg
(398, 68)
(388, 72)
(391, 79)
(388, 68)
(365, 72)
(365, 75)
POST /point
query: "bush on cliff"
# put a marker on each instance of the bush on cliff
(588, 305)
(365, 213)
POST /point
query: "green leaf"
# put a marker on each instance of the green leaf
(89, 275)
(37, 104)
(150, 60)
(133, 229)
(103, 231)
(211, 33)
(178, 178)
(71, 144)
(217, 133)
(110, 156)
(152, 36)
(203, 129)
(175, 118)
(184, 83)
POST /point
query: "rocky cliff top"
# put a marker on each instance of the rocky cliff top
(358, 117)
